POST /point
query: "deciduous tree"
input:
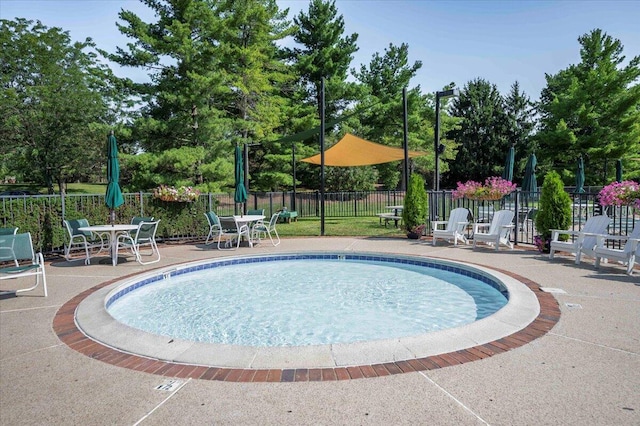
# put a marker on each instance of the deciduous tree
(57, 101)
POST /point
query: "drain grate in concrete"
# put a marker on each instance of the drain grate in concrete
(553, 290)
(573, 305)
(169, 385)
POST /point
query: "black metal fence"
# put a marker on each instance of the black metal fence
(42, 215)
(525, 207)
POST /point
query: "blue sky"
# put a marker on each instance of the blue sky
(457, 41)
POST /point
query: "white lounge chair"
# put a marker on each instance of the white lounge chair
(626, 255)
(454, 227)
(261, 228)
(499, 230)
(584, 241)
(18, 249)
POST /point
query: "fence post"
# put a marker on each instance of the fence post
(63, 207)
(355, 203)
(141, 204)
(271, 201)
(517, 215)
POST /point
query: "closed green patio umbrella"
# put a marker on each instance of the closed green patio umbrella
(580, 176)
(113, 197)
(240, 195)
(530, 182)
(507, 174)
(618, 170)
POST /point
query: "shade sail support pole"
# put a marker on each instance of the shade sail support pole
(293, 166)
(405, 141)
(436, 177)
(245, 154)
(322, 124)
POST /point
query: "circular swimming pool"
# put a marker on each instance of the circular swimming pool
(514, 307)
(308, 300)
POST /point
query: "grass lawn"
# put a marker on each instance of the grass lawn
(339, 226)
(304, 227)
(72, 188)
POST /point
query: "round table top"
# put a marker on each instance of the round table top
(248, 217)
(110, 228)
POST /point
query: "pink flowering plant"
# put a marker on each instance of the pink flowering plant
(418, 229)
(494, 188)
(625, 193)
(541, 243)
(182, 194)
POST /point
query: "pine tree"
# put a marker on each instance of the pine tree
(521, 122)
(482, 136)
(324, 53)
(592, 109)
(555, 206)
(414, 212)
(384, 79)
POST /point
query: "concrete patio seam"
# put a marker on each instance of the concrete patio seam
(593, 344)
(451, 396)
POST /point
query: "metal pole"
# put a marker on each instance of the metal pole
(246, 174)
(436, 143)
(293, 165)
(322, 124)
(405, 177)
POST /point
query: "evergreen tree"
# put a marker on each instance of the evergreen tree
(216, 80)
(483, 134)
(555, 207)
(180, 53)
(414, 212)
(521, 122)
(256, 78)
(591, 109)
(324, 53)
(384, 79)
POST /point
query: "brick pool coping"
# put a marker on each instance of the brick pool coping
(65, 327)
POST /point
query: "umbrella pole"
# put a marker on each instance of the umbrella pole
(112, 217)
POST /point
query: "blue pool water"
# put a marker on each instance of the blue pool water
(295, 301)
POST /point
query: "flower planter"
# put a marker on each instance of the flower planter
(487, 198)
(172, 200)
(170, 194)
(625, 193)
(413, 235)
(493, 189)
(544, 246)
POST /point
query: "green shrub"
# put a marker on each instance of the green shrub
(414, 212)
(555, 206)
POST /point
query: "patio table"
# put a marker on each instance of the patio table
(113, 231)
(395, 216)
(247, 220)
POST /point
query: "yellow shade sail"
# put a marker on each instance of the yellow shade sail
(354, 151)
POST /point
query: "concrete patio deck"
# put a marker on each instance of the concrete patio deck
(584, 371)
